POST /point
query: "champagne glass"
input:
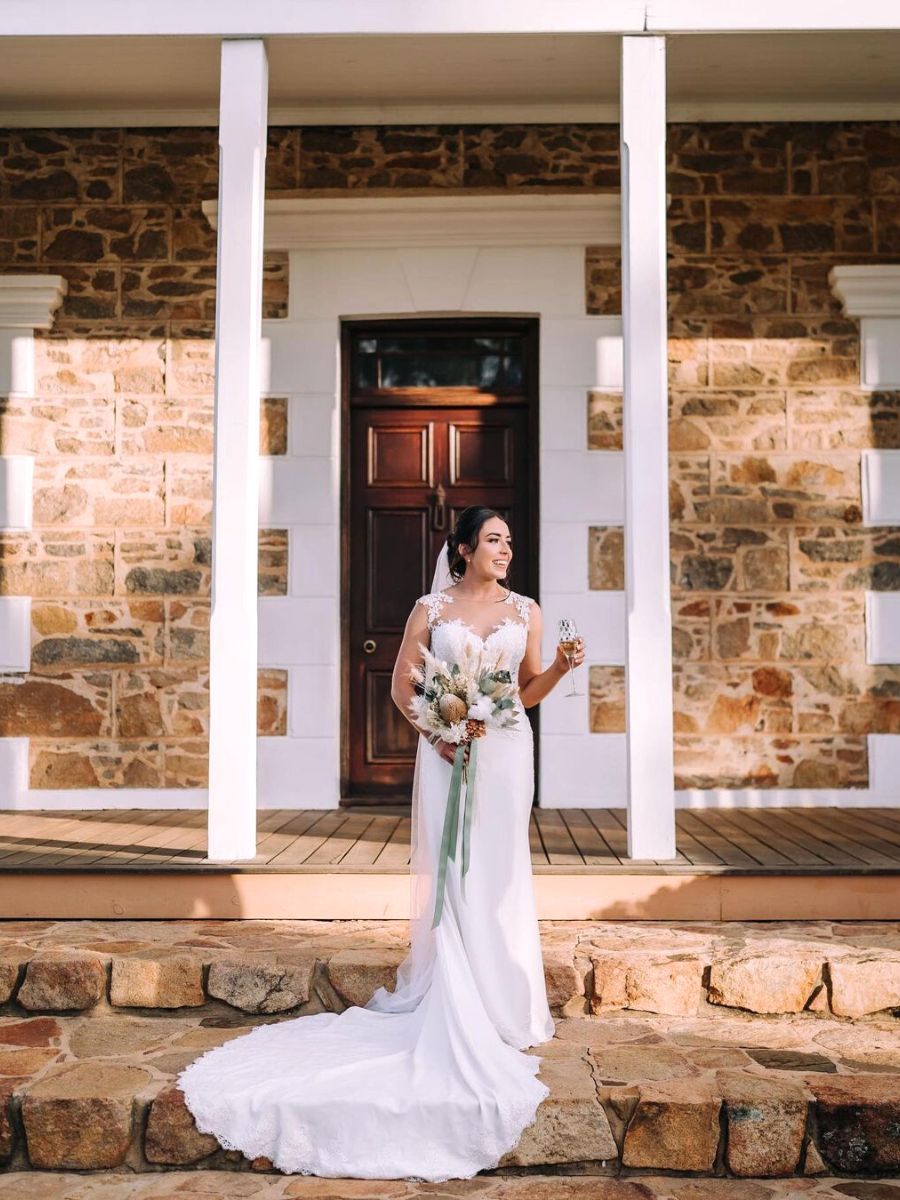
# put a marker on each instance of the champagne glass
(568, 640)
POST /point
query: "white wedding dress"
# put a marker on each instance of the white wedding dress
(427, 1082)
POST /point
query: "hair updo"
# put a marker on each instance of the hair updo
(468, 527)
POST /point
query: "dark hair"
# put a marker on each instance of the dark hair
(468, 527)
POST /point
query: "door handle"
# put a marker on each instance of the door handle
(439, 510)
(369, 645)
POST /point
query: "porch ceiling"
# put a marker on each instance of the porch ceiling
(67, 81)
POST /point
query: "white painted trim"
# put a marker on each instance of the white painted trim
(15, 634)
(233, 619)
(870, 293)
(784, 798)
(867, 289)
(16, 492)
(700, 16)
(274, 18)
(404, 222)
(882, 627)
(277, 757)
(884, 768)
(14, 791)
(29, 301)
(649, 726)
(880, 487)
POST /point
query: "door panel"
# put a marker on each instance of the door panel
(412, 468)
(400, 456)
(396, 562)
(481, 454)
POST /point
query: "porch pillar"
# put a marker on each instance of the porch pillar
(648, 643)
(233, 637)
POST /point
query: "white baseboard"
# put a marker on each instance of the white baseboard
(278, 790)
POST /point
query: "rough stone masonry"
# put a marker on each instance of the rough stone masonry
(769, 558)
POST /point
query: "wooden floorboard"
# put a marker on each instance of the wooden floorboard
(766, 841)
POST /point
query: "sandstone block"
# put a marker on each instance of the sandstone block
(864, 985)
(675, 1126)
(9, 974)
(172, 1136)
(858, 1118)
(36, 1031)
(621, 1065)
(647, 980)
(570, 1125)
(81, 1116)
(357, 974)
(257, 986)
(766, 1120)
(156, 983)
(7, 1137)
(563, 979)
(765, 982)
(75, 982)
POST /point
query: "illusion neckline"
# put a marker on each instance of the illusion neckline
(483, 638)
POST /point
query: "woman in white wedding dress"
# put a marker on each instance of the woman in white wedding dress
(429, 1081)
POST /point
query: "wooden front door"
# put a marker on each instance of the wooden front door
(439, 417)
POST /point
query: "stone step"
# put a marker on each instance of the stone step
(272, 967)
(727, 1050)
(726, 1094)
(225, 1185)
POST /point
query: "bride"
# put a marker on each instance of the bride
(429, 1081)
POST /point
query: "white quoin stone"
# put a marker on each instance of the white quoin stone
(233, 622)
(648, 722)
(16, 491)
(870, 292)
(27, 302)
(15, 634)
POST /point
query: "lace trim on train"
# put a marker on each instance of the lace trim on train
(291, 1151)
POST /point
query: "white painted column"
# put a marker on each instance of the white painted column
(233, 629)
(648, 655)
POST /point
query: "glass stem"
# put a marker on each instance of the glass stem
(571, 675)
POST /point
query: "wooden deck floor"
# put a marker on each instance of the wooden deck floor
(772, 840)
(354, 862)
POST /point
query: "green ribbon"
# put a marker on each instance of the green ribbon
(470, 808)
(451, 824)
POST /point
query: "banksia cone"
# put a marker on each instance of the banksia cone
(452, 708)
(475, 729)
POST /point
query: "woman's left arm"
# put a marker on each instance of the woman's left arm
(535, 684)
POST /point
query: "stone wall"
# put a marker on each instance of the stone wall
(767, 422)
(770, 561)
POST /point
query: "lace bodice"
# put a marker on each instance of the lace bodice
(506, 636)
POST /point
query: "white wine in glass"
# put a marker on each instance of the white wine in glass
(568, 641)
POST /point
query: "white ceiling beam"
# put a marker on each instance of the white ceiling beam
(272, 18)
(714, 16)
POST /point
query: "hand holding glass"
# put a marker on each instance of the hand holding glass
(568, 641)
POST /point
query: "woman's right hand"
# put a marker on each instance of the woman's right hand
(447, 750)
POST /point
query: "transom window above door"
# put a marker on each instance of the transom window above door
(389, 362)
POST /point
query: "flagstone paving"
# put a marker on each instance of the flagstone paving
(742, 1052)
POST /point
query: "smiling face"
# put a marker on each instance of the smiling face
(492, 554)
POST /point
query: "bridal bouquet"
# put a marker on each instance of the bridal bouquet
(458, 703)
